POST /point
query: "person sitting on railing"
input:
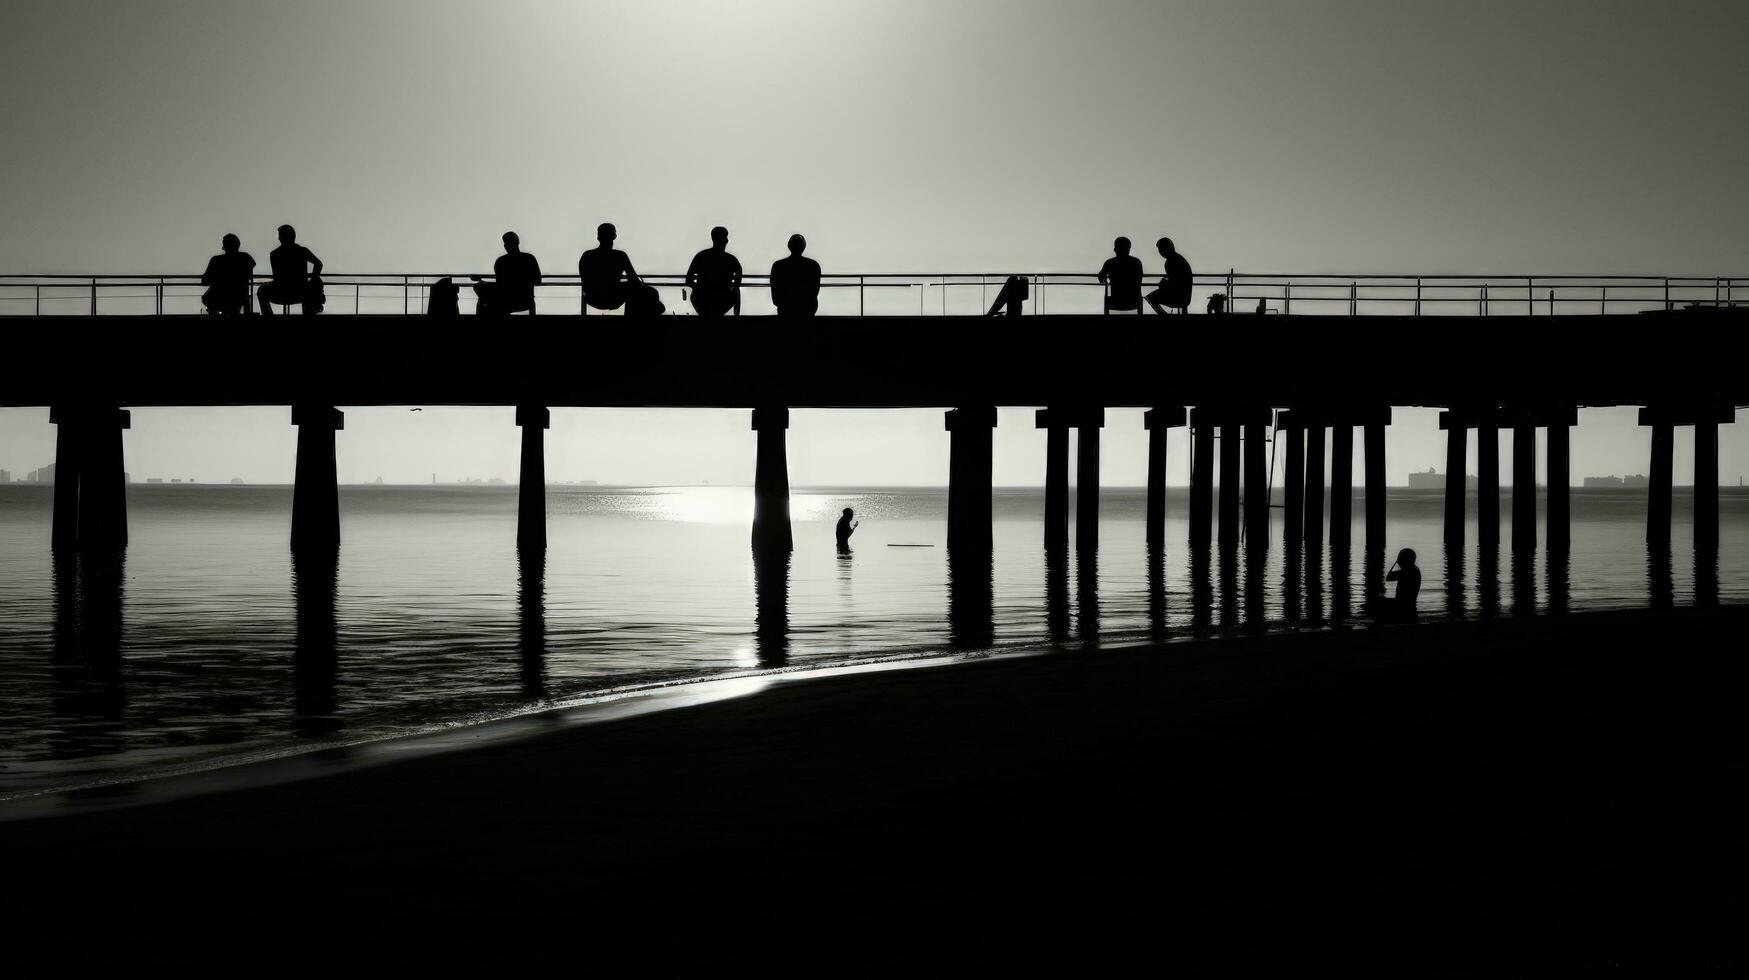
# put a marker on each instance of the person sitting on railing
(1175, 286)
(715, 277)
(1011, 298)
(227, 279)
(517, 273)
(610, 282)
(296, 276)
(795, 281)
(1122, 275)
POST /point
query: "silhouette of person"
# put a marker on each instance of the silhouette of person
(296, 276)
(517, 273)
(610, 282)
(1011, 298)
(1175, 286)
(847, 525)
(1407, 575)
(444, 298)
(1122, 275)
(227, 279)
(715, 277)
(795, 281)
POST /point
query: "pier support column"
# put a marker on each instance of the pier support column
(1293, 482)
(1488, 478)
(101, 480)
(1524, 484)
(771, 528)
(1314, 505)
(1374, 432)
(1560, 478)
(1256, 485)
(70, 435)
(970, 471)
(1457, 448)
(1229, 510)
(1202, 478)
(531, 492)
(1158, 422)
(1706, 486)
(1089, 423)
(1659, 480)
(1055, 422)
(316, 492)
(1341, 486)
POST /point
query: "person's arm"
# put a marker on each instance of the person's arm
(1105, 273)
(692, 274)
(534, 269)
(1393, 575)
(625, 264)
(210, 276)
(315, 263)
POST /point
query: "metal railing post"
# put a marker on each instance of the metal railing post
(1417, 295)
(37, 308)
(861, 295)
(93, 295)
(1667, 306)
(1530, 296)
(1354, 299)
(1484, 307)
(406, 296)
(1287, 300)
(1603, 300)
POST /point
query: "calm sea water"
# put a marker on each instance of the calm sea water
(207, 642)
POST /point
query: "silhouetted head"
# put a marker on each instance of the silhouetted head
(1121, 246)
(512, 241)
(797, 244)
(720, 236)
(848, 513)
(1166, 247)
(1406, 557)
(606, 233)
(287, 234)
(230, 243)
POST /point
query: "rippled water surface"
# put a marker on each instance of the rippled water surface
(207, 641)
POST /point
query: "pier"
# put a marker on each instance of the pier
(1236, 382)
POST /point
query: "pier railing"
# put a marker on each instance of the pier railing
(950, 294)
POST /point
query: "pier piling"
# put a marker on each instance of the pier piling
(970, 470)
(102, 480)
(531, 494)
(1055, 422)
(1202, 478)
(771, 527)
(1256, 485)
(1341, 487)
(1558, 507)
(1659, 480)
(1374, 433)
(1288, 427)
(1089, 423)
(316, 486)
(1706, 486)
(1524, 483)
(1229, 507)
(1314, 504)
(70, 453)
(1706, 420)
(1457, 439)
(1488, 477)
(1159, 422)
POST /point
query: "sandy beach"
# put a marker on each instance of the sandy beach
(1509, 797)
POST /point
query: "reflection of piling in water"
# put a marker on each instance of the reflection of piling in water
(1256, 590)
(1157, 592)
(1556, 565)
(531, 490)
(1454, 581)
(1202, 592)
(1057, 594)
(1706, 577)
(315, 655)
(87, 685)
(971, 597)
(1523, 581)
(1341, 585)
(1087, 595)
(1227, 571)
(1314, 565)
(1659, 579)
(771, 608)
(1488, 581)
(531, 620)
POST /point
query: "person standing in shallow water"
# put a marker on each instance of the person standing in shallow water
(795, 281)
(847, 525)
(715, 277)
(227, 278)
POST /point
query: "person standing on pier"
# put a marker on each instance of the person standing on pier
(296, 276)
(1175, 286)
(610, 282)
(517, 273)
(715, 277)
(1122, 275)
(795, 281)
(227, 279)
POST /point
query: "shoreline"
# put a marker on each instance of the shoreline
(1548, 794)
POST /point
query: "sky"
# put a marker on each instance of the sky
(1308, 136)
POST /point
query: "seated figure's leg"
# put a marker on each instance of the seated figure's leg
(265, 294)
(1156, 299)
(209, 300)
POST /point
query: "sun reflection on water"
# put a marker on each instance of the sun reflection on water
(719, 505)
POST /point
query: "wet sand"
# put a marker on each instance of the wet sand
(1515, 797)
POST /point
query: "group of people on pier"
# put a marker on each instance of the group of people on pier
(610, 281)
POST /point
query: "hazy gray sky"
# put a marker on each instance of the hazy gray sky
(901, 135)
